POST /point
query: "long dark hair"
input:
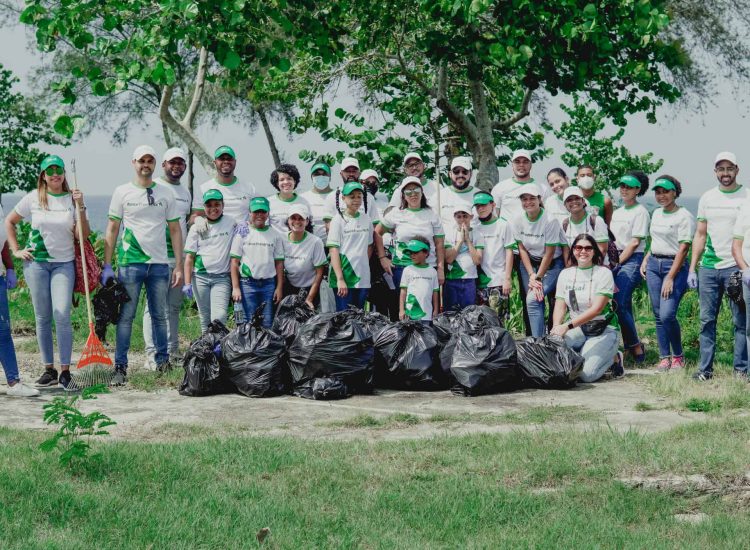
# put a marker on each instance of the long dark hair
(597, 258)
(422, 202)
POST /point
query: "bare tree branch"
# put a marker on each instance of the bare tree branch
(522, 113)
(185, 133)
(200, 83)
(456, 115)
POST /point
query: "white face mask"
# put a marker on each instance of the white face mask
(586, 182)
(321, 182)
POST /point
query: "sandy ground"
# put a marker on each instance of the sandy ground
(167, 415)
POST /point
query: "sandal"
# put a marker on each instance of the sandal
(639, 358)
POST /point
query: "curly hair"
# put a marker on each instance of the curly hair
(289, 170)
(675, 181)
(641, 176)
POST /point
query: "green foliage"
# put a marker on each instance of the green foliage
(701, 405)
(585, 145)
(74, 426)
(23, 128)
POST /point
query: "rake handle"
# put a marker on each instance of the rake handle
(79, 225)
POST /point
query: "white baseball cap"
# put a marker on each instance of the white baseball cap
(462, 208)
(410, 179)
(348, 162)
(143, 150)
(530, 189)
(572, 191)
(412, 155)
(369, 173)
(174, 153)
(519, 153)
(299, 209)
(726, 155)
(462, 162)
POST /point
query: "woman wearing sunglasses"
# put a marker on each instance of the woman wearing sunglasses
(584, 295)
(49, 261)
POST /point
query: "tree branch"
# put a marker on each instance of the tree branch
(456, 116)
(185, 133)
(269, 135)
(522, 113)
(200, 83)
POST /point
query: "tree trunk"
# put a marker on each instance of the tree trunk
(487, 175)
(190, 172)
(183, 132)
(269, 136)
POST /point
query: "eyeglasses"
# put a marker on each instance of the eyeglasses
(581, 248)
(150, 196)
(413, 164)
(460, 172)
(727, 169)
(54, 170)
(412, 192)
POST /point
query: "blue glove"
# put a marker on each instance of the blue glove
(692, 279)
(745, 276)
(107, 274)
(11, 280)
(242, 229)
(187, 291)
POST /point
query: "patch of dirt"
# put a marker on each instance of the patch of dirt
(698, 487)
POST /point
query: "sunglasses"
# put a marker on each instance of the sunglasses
(54, 170)
(581, 248)
(150, 196)
(460, 172)
(412, 192)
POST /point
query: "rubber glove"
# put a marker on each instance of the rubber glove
(745, 276)
(200, 224)
(11, 280)
(107, 274)
(187, 291)
(692, 280)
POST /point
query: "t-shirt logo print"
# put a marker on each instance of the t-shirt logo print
(131, 251)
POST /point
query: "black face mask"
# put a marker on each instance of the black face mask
(486, 219)
(372, 189)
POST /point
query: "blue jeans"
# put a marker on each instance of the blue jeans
(668, 333)
(535, 307)
(712, 283)
(7, 350)
(598, 351)
(627, 279)
(256, 292)
(398, 272)
(213, 292)
(174, 305)
(51, 285)
(355, 297)
(155, 277)
(459, 293)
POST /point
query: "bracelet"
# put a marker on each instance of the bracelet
(571, 326)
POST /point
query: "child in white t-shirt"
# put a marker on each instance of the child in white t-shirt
(463, 253)
(419, 284)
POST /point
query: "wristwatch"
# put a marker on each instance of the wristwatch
(571, 326)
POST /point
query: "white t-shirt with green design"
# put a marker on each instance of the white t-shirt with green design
(572, 229)
(670, 229)
(463, 267)
(279, 212)
(498, 237)
(629, 222)
(143, 240)
(451, 198)
(719, 209)
(258, 252)
(586, 283)
(302, 258)
(507, 195)
(318, 208)
(536, 235)
(237, 197)
(51, 237)
(351, 236)
(406, 224)
(183, 199)
(212, 247)
(420, 282)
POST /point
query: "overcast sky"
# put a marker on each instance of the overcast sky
(687, 142)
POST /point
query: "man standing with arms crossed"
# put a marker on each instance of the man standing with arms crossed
(143, 208)
(712, 245)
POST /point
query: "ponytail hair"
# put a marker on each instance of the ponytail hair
(338, 206)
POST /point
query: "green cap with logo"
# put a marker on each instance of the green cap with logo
(630, 181)
(665, 184)
(260, 204)
(352, 186)
(52, 160)
(212, 195)
(321, 166)
(224, 150)
(417, 246)
(482, 198)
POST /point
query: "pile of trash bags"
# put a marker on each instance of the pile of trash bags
(336, 355)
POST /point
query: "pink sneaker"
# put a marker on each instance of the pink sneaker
(664, 364)
(678, 362)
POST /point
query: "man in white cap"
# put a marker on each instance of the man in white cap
(414, 166)
(712, 244)
(143, 208)
(460, 193)
(350, 172)
(174, 164)
(507, 193)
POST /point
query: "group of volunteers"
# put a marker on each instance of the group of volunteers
(428, 247)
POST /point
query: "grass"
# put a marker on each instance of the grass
(722, 393)
(478, 491)
(641, 406)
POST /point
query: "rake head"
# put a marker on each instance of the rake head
(94, 367)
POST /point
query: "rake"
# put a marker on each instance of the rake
(94, 367)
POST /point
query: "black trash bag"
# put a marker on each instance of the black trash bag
(372, 322)
(323, 389)
(548, 363)
(107, 304)
(203, 374)
(483, 361)
(445, 325)
(334, 345)
(253, 359)
(475, 317)
(406, 357)
(451, 323)
(291, 314)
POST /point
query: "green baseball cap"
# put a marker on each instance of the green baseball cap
(321, 166)
(224, 150)
(212, 195)
(630, 181)
(258, 204)
(352, 186)
(417, 246)
(665, 184)
(482, 198)
(52, 160)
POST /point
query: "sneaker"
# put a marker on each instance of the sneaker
(618, 368)
(164, 367)
(149, 363)
(120, 377)
(65, 380)
(49, 378)
(664, 365)
(678, 362)
(740, 375)
(640, 358)
(703, 376)
(21, 390)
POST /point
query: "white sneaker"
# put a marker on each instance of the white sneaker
(22, 390)
(149, 363)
